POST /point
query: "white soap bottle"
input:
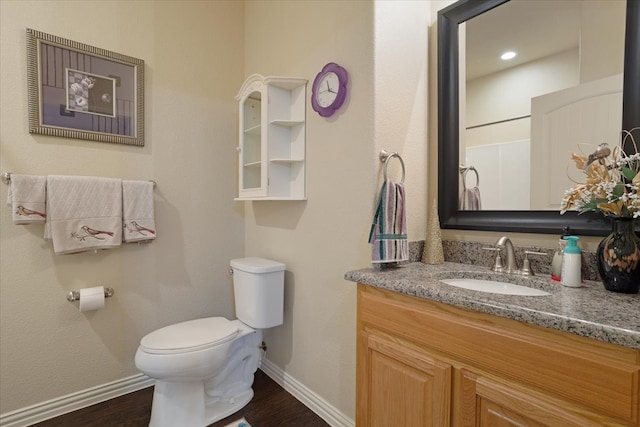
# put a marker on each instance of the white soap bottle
(572, 263)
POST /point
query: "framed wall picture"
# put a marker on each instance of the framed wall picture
(83, 92)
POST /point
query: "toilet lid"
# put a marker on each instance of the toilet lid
(189, 336)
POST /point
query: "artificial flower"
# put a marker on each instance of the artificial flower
(612, 182)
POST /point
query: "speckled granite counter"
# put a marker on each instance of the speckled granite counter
(589, 311)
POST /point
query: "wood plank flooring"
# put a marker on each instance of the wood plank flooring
(271, 406)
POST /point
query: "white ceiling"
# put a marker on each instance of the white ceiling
(532, 28)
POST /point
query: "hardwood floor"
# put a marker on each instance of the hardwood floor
(271, 406)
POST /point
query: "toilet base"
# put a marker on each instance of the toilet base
(182, 404)
(199, 403)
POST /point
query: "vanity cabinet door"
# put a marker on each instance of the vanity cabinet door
(483, 402)
(402, 386)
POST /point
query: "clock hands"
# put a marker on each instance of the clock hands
(328, 89)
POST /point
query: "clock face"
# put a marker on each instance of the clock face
(329, 89)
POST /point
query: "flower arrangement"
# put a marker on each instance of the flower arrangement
(612, 184)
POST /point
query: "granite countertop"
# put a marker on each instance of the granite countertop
(589, 311)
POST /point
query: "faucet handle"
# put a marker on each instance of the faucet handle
(498, 265)
(526, 266)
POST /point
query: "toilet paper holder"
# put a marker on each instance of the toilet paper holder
(75, 295)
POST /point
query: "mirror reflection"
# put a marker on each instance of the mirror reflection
(521, 117)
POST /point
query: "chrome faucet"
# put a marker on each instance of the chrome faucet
(512, 265)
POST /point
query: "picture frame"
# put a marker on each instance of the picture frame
(83, 92)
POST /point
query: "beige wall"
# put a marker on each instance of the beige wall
(194, 65)
(324, 237)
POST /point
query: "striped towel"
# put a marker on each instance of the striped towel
(388, 234)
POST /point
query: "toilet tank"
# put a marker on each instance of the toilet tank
(258, 284)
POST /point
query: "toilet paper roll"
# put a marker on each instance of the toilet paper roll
(91, 298)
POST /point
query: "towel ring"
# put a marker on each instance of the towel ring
(384, 157)
(464, 170)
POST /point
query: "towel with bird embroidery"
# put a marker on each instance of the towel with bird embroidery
(26, 196)
(388, 235)
(138, 220)
(83, 213)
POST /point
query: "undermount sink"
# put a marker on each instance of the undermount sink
(491, 286)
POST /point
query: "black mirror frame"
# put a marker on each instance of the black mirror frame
(543, 222)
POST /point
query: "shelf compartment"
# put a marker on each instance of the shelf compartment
(287, 123)
(287, 161)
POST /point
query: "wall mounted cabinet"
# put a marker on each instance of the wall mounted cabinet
(271, 148)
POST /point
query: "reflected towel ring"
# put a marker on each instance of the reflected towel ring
(384, 157)
(464, 170)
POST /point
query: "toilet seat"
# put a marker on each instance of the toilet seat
(193, 335)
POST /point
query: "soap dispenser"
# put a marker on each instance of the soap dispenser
(556, 263)
(572, 263)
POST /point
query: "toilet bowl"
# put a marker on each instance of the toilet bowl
(204, 368)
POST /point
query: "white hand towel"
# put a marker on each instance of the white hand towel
(388, 235)
(138, 220)
(84, 213)
(27, 197)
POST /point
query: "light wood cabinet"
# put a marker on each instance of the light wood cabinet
(406, 386)
(422, 363)
(271, 150)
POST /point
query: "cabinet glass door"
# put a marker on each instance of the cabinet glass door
(252, 182)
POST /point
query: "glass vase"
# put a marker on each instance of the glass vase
(618, 258)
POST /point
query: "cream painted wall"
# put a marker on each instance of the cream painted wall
(401, 77)
(194, 65)
(324, 237)
(321, 238)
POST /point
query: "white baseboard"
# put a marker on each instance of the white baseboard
(72, 402)
(317, 404)
(62, 405)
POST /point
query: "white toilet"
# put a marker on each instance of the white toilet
(204, 368)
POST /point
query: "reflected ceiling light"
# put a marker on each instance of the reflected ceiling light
(508, 55)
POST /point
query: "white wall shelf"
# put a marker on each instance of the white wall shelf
(271, 150)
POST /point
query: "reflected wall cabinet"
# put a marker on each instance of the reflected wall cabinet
(271, 148)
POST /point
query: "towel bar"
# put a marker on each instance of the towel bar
(6, 179)
(385, 156)
(75, 295)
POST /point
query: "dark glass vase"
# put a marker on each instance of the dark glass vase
(618, 258)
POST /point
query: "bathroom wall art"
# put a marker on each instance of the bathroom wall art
(83, 92)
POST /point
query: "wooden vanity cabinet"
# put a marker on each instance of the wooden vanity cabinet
(422, 363)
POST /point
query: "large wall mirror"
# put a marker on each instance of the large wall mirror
(506, 128)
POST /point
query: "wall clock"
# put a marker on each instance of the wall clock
(329, 89)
